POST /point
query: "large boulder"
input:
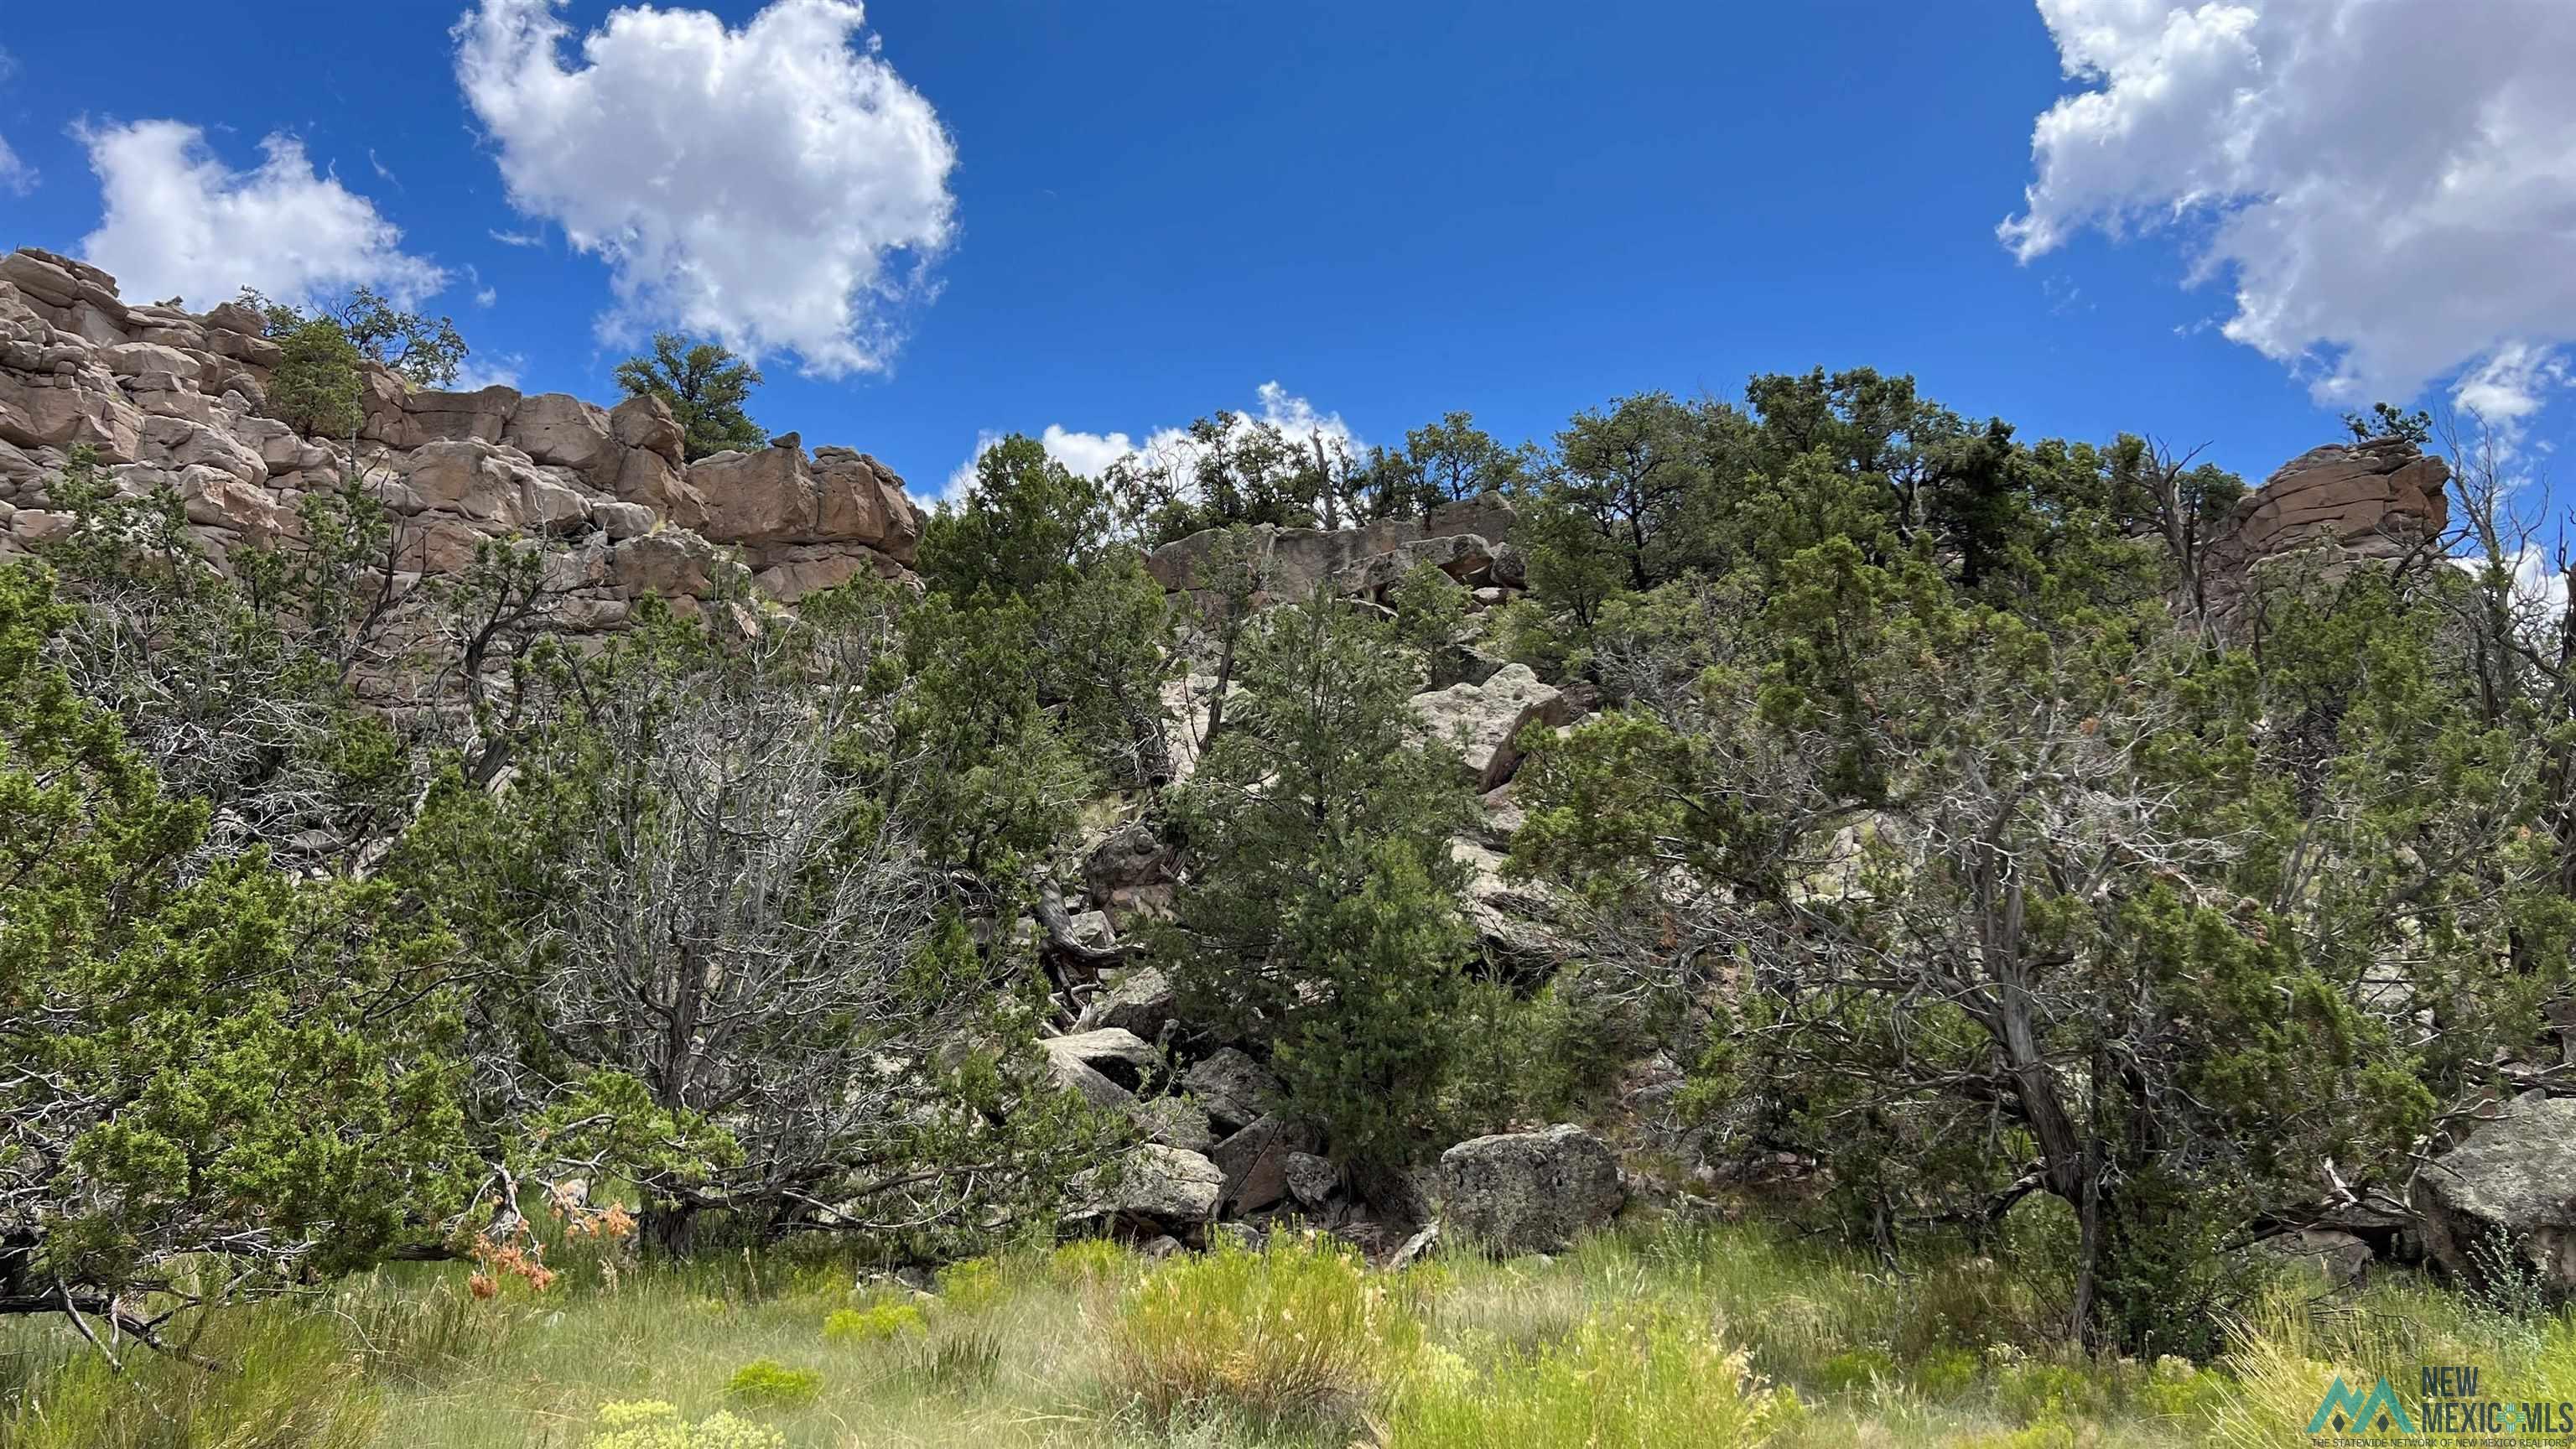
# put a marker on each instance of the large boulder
(2509, 1188)
(1236, 1090)
(1138, 1000)
(1126, 859)
(1484, 720)
(1154, 1189)
(1114, 1052)
(1255, 1162)
(1530, 1192)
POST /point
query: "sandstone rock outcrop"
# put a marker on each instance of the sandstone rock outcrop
(1460, 538)
(2378, 499)
(162, 395)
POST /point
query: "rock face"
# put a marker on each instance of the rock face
(165, 396)
(2377, 499)
(1530, 1192)
(2510, 1187)
(1459, 537)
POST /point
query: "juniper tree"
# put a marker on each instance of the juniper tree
(1320, 908)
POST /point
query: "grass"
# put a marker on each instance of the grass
(1725, 1336)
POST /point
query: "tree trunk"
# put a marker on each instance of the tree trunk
(671, 1230)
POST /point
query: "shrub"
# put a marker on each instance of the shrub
(315, 387)
(1943, 1373)
(651, 1424)
(973, 1284)
(1297, 1331)
(1856, 1368)
(1089, 1260)
(767, 1381)
(874, 1324)
(1661, 1380)
(2038, 1390)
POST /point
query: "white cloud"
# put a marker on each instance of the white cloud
(2510, 386)
(777, 186)
(517, 238)
(180, 222)
(1090, 454)
(2391, 187)
(500, 369)
(15, 175)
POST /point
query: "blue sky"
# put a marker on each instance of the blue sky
(1114, 217)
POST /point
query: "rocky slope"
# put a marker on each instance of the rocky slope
(163, 395)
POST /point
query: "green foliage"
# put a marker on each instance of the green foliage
(1296, 1332)
(706, 387)
(873, 1324)
(222, 1057)
(1643, 1380)
(1322, 912)
(768, 1382)
(421, 350)
(314, 388)
(1028, 564)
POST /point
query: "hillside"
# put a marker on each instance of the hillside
(2110, 901)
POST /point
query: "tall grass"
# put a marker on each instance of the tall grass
(1625, 1380)
(1682, 1339)
(288, 1380)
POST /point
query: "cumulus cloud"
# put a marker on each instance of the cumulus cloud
(778, 186)
(1090, 454)
(480, 371)
(179, 222)
(2504, 391)
(15, 175)
(2390, 188)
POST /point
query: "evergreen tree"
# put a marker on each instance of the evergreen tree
(1321, 908)
(706, 387)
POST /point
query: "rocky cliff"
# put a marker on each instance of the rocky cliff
(163, 395)
(2380, 499)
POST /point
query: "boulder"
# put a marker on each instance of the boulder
(1255, 1162)
(1128, 857)
(555, 427)
(1173, 1122)
(1530, 1192)
(2342, 1257)
(2510, 1187)
(1484, 720)
(1138, 1000)
(1156, 1189)
(1074, 1074)
(2375, 499)
(1312, 1180)
(1236, 1090)
(1115, 1053)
